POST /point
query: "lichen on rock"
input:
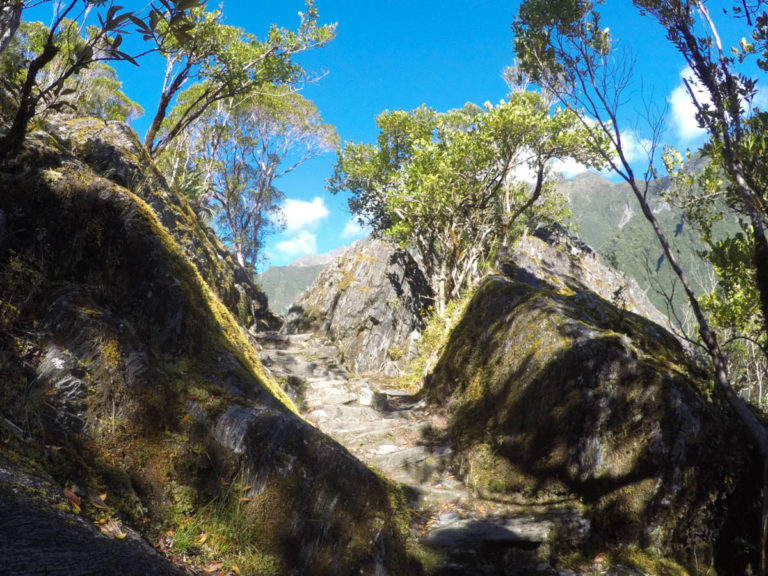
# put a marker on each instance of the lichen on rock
(551, 388)
(371, 303)
(123, 370)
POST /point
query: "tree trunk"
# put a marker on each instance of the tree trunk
(12, 142)
(441, 279)
(162, 109)
(10, 17)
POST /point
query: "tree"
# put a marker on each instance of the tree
(565, 49)
(94, 90)
(226, 63)
(63, 39)
(98, 92)
(238, 149)
(449, 184)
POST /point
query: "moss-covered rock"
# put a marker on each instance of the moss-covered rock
(113, 150)
(551, 388)
(124, 374)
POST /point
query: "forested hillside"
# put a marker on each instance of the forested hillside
(605, 217)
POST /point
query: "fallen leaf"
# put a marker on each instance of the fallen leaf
(183, 420)
(97, 501)
(202, 538)
(71, 496)
(112, 529)
(103, 497)
(235, 568)
(245, 499)
(244, 488)
(75, 507)
(213, 566)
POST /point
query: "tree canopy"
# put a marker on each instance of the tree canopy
(228, 160)
(457, 186)
(226, 62)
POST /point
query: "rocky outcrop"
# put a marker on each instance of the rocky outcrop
(370, 301)
(40, 533)
(123, 374)
(113, 150)
(551, 386)
(550, 257)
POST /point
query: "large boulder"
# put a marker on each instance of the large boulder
(113, 150)
(554, 386)
(122, 373)
(370, 302)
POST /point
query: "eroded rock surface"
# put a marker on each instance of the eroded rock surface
(370, 302)
(550, 257)
(113, 150)
(404, 439)
(547, 383)
(124, 374)
(40, 533)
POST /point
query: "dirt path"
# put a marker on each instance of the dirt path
(399, 436)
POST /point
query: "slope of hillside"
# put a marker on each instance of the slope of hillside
(133, 406)
(283, 284)
(607, 217)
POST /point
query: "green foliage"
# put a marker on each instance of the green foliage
(449, 184)
(60, 53)
(94, 90)
(233, 154)
(224, 62)
(434, 339)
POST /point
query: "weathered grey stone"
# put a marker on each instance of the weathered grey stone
(550, 257)
(41, 534)
(471, 533)
(369, 302)
(120, 331)
(113, 150)
(552, 384)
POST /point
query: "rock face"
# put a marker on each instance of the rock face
(549, 386)
(40, 533)
(369, 301)
(113, 150)
(550, 257)
(123, 374)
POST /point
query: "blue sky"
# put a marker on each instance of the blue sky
(398, 55)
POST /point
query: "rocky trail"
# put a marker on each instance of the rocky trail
(403, 439)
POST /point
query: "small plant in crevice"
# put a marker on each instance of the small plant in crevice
(434, 339)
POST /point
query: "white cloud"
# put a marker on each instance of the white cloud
(761, 98)
(300, 214)
(635, 149)
(303, 243)
(352, 229)
(568, 167)
(683, 111)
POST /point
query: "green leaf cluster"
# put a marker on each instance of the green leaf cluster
(230, 159)
(457, 186)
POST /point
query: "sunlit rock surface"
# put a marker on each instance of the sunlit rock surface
(553, 385)
(370, 302)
